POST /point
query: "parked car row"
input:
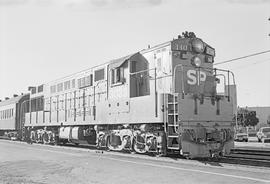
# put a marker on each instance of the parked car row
(263, 135)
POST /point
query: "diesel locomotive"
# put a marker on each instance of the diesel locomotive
(164, 99)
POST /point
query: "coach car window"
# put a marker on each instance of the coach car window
(99, 75)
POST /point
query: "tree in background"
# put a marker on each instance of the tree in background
(246, 118)
(268, 120)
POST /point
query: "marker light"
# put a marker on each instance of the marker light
(196, 61)
(198, 45)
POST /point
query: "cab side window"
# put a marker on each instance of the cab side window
(117, 75)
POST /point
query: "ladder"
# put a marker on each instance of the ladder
(171, 122)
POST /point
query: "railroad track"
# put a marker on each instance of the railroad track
(251, 153)
(248, 156)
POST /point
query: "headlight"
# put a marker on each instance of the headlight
(198, 45)
(196, 61)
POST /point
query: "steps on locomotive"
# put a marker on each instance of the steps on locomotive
(172, 137)
(171, 101)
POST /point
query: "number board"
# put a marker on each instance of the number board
(210, 51)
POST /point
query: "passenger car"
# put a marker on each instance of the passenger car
(252, 135)
(241, 136)
(263, 134)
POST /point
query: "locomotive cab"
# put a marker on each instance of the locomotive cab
(203, 118)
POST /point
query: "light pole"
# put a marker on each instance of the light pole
(269, 20)
(269, 29)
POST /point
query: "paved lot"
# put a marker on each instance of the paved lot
(21, 163)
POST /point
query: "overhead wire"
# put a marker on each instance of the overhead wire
(251, 64)
(243, 57)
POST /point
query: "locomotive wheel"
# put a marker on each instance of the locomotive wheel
(40, 137)
(56, 140)
(64, 142)
(33, 136)
(107, 144)
(46, 139)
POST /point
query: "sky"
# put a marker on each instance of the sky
(42, 40)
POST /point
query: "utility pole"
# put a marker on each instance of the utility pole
(269, 21)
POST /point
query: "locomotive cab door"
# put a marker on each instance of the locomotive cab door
(139, 76)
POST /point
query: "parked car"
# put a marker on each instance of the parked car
(241, 136)
(252, 135)
(263, 134)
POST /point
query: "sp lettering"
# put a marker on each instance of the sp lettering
(195, 77)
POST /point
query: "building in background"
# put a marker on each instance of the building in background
(263, 113)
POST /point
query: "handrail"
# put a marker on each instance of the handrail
(224, 83)
(182, 82)
(133, 73)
